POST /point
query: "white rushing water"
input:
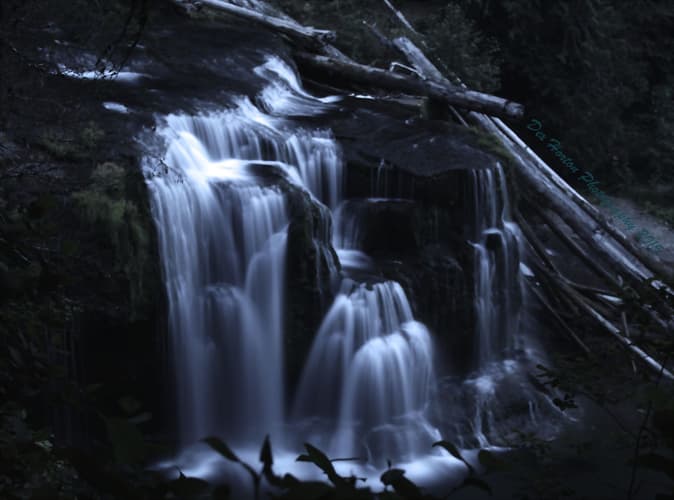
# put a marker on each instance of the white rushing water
(497, 280)
(371, 366)
(222, 243)
(222, 218)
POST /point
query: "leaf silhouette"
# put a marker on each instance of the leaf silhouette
(454, 451)
(219, 446)
(320, 459)
(266, 456)
(400, 484)
(267, 459)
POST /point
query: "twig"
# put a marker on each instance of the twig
(559, 319)
(396, 64)
(627, 335)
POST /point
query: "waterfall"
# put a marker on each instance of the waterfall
(222, 246)
(497, 281)
(222, 232)
(221, 206)
(371, 367)
(503, 349)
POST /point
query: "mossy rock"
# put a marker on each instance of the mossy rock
(108, 212)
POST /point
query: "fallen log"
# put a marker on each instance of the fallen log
(565, 287)
(382, 79)
(417, 59)
(333, 62)
(591, 228)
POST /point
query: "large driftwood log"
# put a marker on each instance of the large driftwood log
(382, 79)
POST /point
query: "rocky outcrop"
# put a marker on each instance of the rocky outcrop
(409, 180)
(311, 270)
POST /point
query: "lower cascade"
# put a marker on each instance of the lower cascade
(369, 387)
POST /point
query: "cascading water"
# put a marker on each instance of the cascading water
(222, 244)
(222, 216)
(504, 349)
(497, 284)
(371, 366)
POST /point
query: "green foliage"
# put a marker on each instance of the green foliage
(460, 49)
(91, 135)
(104, 206)
(64, 146)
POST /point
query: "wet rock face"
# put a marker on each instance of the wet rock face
(424, 248)
(409, 184)
(311, 268)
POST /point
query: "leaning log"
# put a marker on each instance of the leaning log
(541, 190)
(425, 68)
(377, 78)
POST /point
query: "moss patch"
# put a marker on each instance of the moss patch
(105, 207)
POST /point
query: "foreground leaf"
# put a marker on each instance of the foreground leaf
(454, 451)
(219, 446)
